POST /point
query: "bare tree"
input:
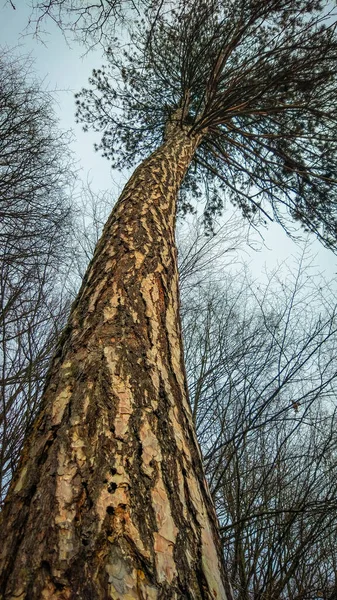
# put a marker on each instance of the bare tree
(35, 168)
(263, 381)
(91, 23)
(92, 210)
(35, 216)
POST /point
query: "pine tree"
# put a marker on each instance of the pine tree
(257, 80)
(110, 500)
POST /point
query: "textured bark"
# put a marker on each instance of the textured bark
(110, 499)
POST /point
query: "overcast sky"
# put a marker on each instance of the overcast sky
(63, 69)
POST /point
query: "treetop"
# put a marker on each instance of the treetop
(257, 79)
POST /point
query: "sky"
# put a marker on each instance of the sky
(64, 71)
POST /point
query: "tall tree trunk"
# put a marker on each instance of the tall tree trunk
(110, 499)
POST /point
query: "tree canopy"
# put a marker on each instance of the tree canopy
(257, 79)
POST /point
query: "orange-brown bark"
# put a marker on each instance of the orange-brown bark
(110, 499)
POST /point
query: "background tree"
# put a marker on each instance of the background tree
(262, 378)
(36, 222)
(92, 211)
(90, 23)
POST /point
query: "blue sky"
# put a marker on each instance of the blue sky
(63, 69)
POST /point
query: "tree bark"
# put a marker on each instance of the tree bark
(109, 499)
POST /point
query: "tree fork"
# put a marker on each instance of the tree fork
(110, 499)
